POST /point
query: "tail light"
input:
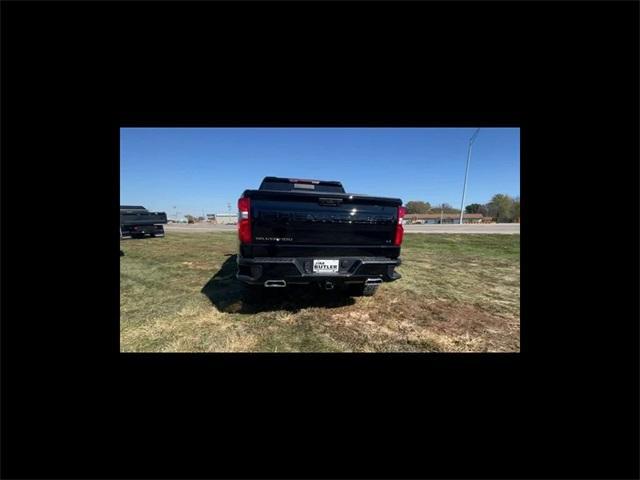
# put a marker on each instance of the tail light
(399, 227)
(244, 220)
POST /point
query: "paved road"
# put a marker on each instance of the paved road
(503, 228)
(199, 227)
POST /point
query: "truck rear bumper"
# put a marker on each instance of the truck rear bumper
(256, 271)
(141, 230)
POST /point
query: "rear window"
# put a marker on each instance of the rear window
(300, 185)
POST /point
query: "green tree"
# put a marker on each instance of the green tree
(190, 218)
(516, 210)
(473, 208)
(447, 208)
(418, 206)
(501, 208)
(476, 208)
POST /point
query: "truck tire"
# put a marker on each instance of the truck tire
(362, 290)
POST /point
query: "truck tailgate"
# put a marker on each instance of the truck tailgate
(145, 218)
(308, 219)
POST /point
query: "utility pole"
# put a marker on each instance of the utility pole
(466, 171)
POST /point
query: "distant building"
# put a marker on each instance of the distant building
(435, 218)
(224, 218)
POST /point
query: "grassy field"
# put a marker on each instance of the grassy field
(458, 293)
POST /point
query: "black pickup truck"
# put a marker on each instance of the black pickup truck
(295, 231)
(138, 222)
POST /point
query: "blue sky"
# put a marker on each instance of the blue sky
(202, 169)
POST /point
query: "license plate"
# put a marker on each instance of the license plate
(325, 266)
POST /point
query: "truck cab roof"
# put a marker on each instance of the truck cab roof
(280, 184)
(131, 207)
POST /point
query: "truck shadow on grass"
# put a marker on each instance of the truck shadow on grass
(229, 295)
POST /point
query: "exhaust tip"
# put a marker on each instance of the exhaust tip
(373, 281)
(275, 283)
